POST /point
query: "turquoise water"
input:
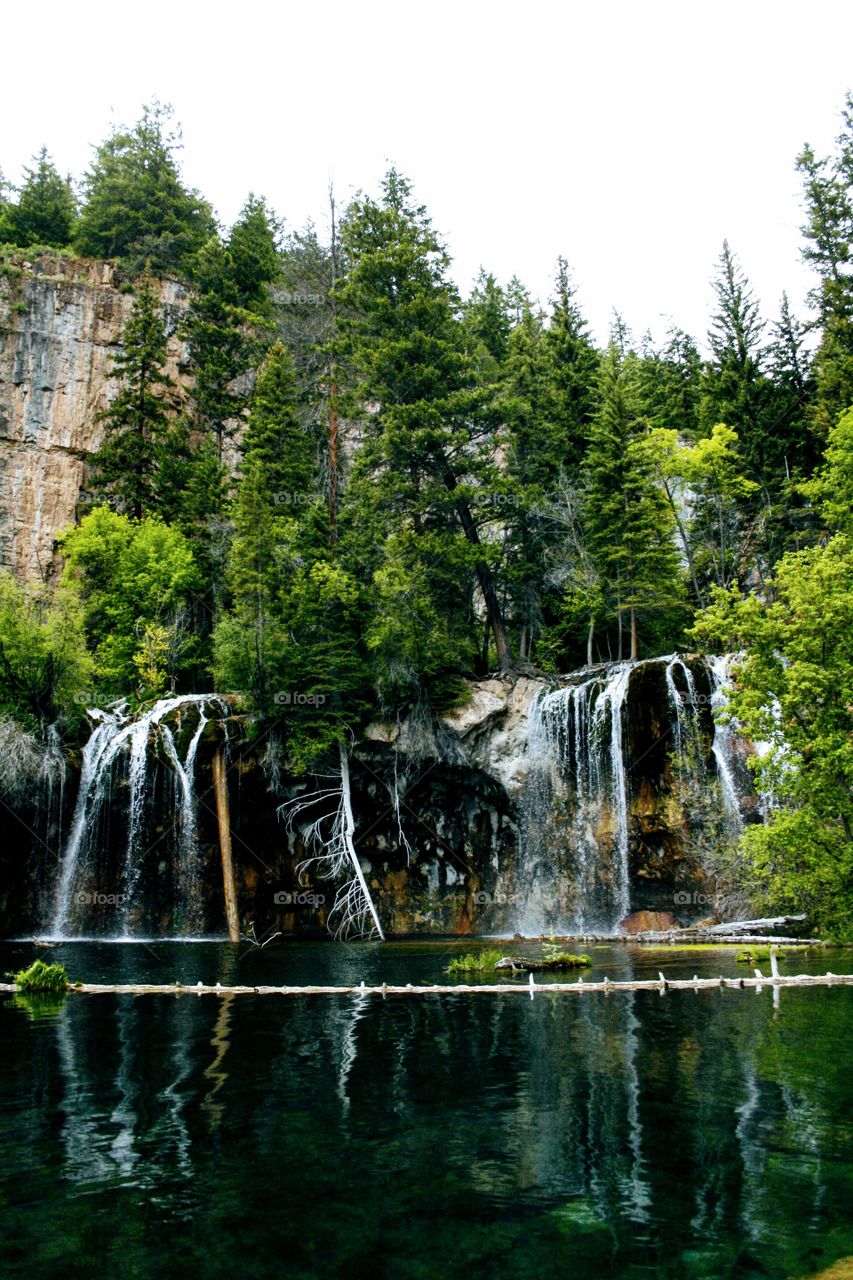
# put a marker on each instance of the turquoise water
(687, 1135)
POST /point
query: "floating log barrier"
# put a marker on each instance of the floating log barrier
(660, 984)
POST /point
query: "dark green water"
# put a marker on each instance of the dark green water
(690, 1135)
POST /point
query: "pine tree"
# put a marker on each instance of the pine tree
(291, 636)
(254, 245)
(275, 436)
(535, 454)
(488, 324)
(223, 343)
(135, 422)
(136, 208)
(45, 209)
(629, 525)
(828, 192)
(736, 390)
(573, 369)
(423, 458)
(671, 384)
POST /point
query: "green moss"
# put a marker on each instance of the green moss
(746, 955)
(566, 960)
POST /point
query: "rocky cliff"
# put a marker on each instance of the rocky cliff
(61, 321)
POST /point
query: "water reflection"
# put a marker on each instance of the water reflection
(690, 1135)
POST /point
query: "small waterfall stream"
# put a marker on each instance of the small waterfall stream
(575, 741)
(723, 744)
(575, 840)
(116, 737)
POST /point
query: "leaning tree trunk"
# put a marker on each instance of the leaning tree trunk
(220, 786)
(486, 581)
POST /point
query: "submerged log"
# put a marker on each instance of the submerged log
(521, 964)
(223, 816)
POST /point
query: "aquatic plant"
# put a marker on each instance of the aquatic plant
(50, 978)
(485, 961)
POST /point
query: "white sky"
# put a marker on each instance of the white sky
(631, 137)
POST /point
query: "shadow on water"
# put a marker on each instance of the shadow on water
(690, 1135)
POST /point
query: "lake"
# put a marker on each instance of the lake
(690, 1134)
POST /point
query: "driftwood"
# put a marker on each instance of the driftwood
(661, 984)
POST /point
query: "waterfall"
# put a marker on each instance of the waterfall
(683, 704)
(576, 749)
(113, 737)
(89, 800)
(574, 870)
(723, 744)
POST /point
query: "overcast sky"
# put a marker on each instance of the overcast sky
(630, 137)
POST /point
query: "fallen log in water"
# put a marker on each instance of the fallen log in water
(660, 984)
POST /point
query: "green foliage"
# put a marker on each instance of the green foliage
(136, 420)
(136, 580)
(291, 636)
(484, 961)
(223, 342)
(629, 524)
(709, 524)
(735, 390)
(832, 487)
(50, 979)
(45, 210)
(828, 191)
(254, 248)
(44, 662)
(573, 369)
(424, 464)
(795, 693)
(135, 206)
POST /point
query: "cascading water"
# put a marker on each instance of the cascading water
(575, 743)
(723, 743)
(574, 870)
(89, 800)
(113, 737)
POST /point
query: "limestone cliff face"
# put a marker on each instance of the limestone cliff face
(61, 322)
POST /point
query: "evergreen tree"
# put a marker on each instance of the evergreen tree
(45, 209)
(136, 208)
(573, 369)
(535, 454)
(136, 420)
(424, 459)
(291, 636)
(254, 248)
(488, 324)
(736, 390)
(275, 436)
(629, 523)
(671, 383)
(828, 192)
(222, 339)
